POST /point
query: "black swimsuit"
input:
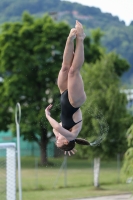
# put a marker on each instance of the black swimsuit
(67, 111)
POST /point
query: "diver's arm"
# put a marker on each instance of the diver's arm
(56, 133)
(57, 128)
(69, 135)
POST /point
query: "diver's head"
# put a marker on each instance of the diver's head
(65, 145)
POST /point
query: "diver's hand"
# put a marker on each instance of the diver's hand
(47, 110)
(73, 151)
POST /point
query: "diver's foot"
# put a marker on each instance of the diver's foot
(72, 34)
(80, 30)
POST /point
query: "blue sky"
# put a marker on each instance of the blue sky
(121, 8)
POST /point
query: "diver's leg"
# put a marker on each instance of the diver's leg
(76, 92)
(67, 61)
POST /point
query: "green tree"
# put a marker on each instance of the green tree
(119, 39)
(97, 51)
(104, 109)
(128, 157)
(31, 56)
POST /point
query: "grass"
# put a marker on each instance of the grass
(49, 183)
(69, 193)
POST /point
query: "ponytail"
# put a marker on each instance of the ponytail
(71, 144)
(82, 141)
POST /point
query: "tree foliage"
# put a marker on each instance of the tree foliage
(104, 114)
(127, 168)
(120, 40)
(31, 56)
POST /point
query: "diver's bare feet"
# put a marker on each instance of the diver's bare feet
(80, 30)
(72, 34)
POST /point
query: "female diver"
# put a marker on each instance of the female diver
(71, 87)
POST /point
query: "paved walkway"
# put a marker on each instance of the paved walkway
(114, 197)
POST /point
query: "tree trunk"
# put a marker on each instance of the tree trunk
(96, 171)
(43, 148)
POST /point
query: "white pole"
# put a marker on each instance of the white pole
(11, 172)
(17, 120)
(96, 171)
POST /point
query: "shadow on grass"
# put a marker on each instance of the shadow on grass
(42, 188)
